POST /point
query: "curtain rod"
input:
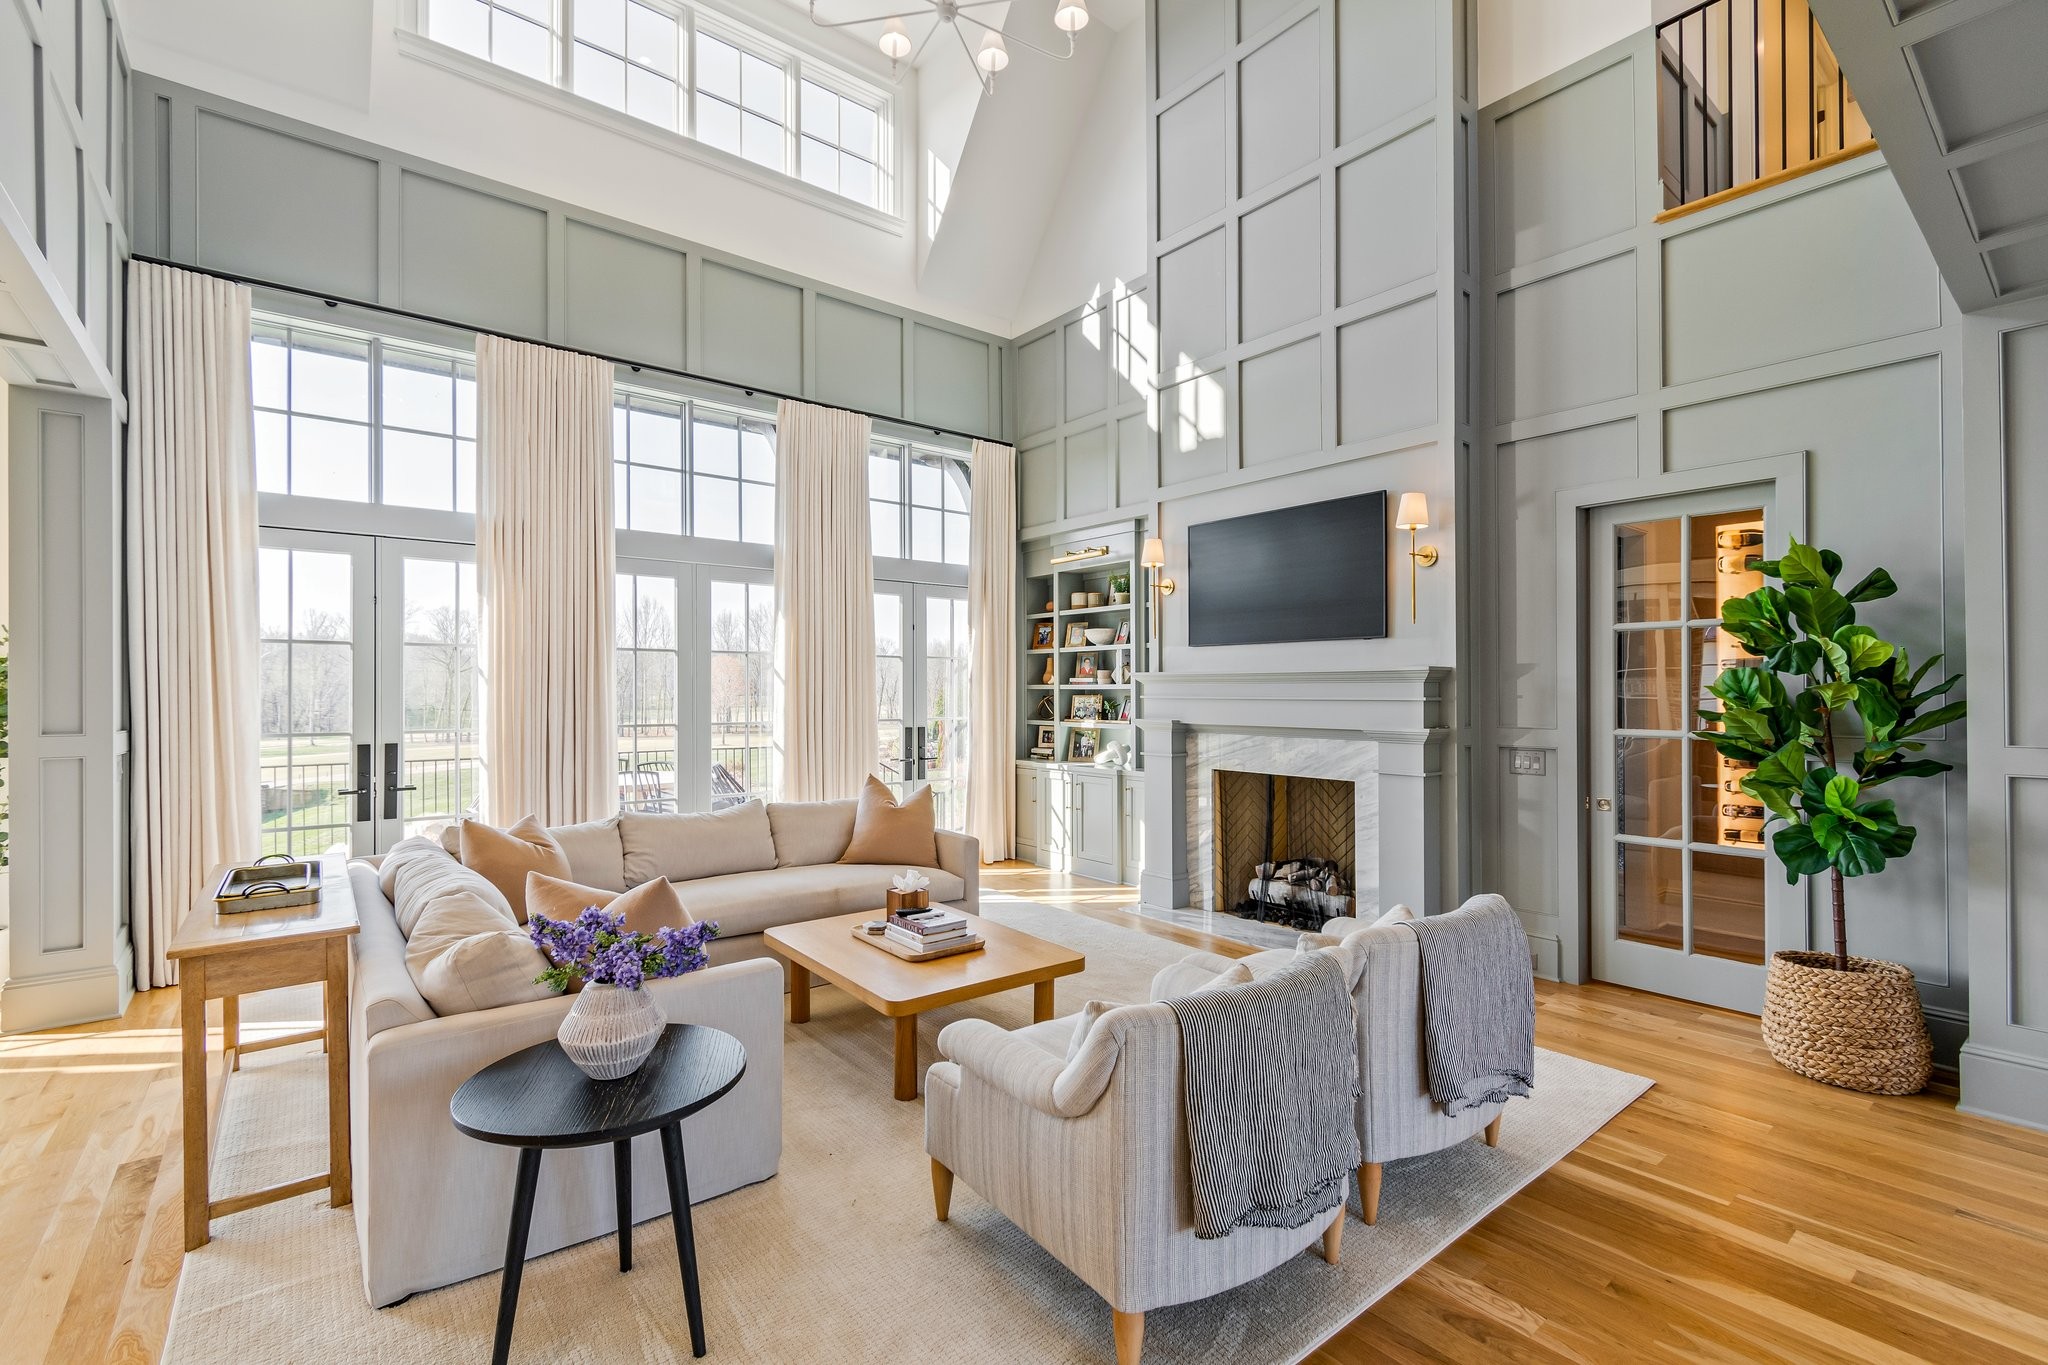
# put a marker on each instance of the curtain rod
(751, 390)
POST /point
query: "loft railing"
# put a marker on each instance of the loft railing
(1748, 92)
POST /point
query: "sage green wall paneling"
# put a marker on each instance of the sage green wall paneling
(95, 47)
(277, 207)
(1280, 406)
(18, 93)
(62, 201)
(622, 296)
(1386, 216)
(2007, 190)
(859, 357)
(2022, 265)
(1038, 484)
(1280, 253)
(2023, 360)
(1794, 280)
(753, 328)
(1038, 385)
(1136, 348)
(1193, 297)
(1387, 372)
(464, 253)
(1188, 136)
(1192, 417)
(1566, 340)
(68, 539)
(1254, 15)
(1090, 473)
(1137, 459)
(1279, 105)
(1188, 35)
(952, 378)
(1086, 343)
(1387, 62)
(1565, 172)
(2027, 815)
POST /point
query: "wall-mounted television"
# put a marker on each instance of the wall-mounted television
(1313, 572)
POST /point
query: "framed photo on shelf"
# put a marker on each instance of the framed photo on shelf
(1084, 668)
(1041, 635)
(1087, 706)
(1081, 745)
(1045, 738)
(1076, 635)
(1123, 630)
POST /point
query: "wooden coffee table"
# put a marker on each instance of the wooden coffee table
(902, 990)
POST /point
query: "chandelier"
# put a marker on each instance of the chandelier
(988, 56)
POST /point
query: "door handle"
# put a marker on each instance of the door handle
(391, 784)
(1602, 803)
(366, 785)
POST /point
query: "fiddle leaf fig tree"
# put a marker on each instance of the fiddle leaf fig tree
(1826, 683)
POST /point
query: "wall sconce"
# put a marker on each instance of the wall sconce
(1413, 516)
(1153, 560)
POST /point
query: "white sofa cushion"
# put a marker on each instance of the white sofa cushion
(596, 857)
(810, 832)
(463, 949)
(417, 870)
(749, 902)
(688, 848)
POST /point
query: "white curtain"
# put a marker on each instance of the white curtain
(992, 649)
(824, 602)
(193, 659)
(545, 557)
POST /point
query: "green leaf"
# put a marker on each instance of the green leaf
(1889, 768)
(1819, 610)
(1832, 562)
(1805, 566)
(1933, 720)
(1873, 585)
(1920, 699)
(1837, 657)
(1841, 793)
(1865, 648)
(1874, 703)
(1785, 770)
(1837, 695)
(1757, 620)
(1801, 854)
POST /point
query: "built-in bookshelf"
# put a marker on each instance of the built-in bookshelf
(1065, 674)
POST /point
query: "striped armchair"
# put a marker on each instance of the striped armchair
(1089, 1155)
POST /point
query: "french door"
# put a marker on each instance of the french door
(368, 694)
(921, 693)
(1683, 900)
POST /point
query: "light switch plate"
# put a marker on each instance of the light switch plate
(1526, 762)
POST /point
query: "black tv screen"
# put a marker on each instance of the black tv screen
(1314, 572)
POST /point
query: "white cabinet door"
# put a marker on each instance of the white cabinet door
(1094, 824)
(1055, 820)
(1134, 829)
(1030, 813)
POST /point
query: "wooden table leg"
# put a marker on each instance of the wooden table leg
(622, 1192)
(192, 1022)
(1041, 1001)
(340, 1165)
(906, 1057)
(799, 993)
(231, 1030)
(686, 1238)
(515, 1252)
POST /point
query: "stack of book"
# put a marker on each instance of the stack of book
(929, 931)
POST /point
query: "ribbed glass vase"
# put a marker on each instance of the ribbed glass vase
(608, 1032)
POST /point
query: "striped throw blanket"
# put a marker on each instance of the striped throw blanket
(1478, 1004)
(1269, 1073)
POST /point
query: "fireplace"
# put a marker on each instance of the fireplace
(1284, 846)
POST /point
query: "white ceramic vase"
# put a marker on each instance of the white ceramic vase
(608, 1032)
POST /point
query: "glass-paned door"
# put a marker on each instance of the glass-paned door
(921, 693)
(645, 668)
(741, 691)
(1681, 897)
(368, 689)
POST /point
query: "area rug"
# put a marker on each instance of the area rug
(838, 1257)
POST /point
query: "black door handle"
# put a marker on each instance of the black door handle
(391, 783)
(365, 785)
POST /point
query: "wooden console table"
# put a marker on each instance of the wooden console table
(225, 956)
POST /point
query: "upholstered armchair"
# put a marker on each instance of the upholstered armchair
(1396, 1116)
(1089, 1155)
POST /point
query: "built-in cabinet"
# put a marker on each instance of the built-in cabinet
(1081, 819)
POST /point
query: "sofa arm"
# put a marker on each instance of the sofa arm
(1188, 975)
(960, 854)
(1030, 1075)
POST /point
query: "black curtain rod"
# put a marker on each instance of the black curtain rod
(751, 390)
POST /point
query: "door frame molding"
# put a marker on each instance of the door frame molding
(1786, 475)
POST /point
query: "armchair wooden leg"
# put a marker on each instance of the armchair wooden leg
(1130, 1337)
(1333, 1236)
(1369, 1191)
(1493, 1132)
(942, 1190)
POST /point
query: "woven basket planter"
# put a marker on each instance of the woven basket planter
(1861, 1029)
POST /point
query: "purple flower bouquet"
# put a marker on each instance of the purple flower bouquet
(596, 947)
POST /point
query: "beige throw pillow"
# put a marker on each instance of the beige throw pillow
(808, 833)
(462, 948)
(504, 856)
(885, 830)
(688, 848)
(647, 907)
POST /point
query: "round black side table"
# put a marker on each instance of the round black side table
(536, 1099)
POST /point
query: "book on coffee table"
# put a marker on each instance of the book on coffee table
(889, 945)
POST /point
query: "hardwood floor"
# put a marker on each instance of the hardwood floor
(1734, 1213)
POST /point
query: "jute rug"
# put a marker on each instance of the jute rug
(838, 1257)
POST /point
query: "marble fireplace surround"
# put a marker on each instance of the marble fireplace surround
(1386, 731)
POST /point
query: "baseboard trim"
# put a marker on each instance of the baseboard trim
(36, 1003)
(2007, 1086)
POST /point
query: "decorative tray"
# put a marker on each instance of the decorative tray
(275, 883)
(895, 949)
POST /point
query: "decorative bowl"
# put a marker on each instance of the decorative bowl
(1099, 635)
(609, 1032)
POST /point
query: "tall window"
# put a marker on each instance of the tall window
(306, 620)
(890, 712)
(443, 767)
(686, 468)
(354, 417)
(721, 83)
(732, 477)
(742, 691)
(644, 662)
(917, 503)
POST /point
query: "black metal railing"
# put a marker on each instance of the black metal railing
(1747, 90)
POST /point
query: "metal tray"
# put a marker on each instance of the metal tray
(278, 883)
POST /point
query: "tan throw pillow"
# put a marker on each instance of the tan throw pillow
(888, 831)
(689, 848)
(808, 833)
(647, 907)
(504, 856)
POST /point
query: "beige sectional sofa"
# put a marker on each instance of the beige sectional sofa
(430, 1204)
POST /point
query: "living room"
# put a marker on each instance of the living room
(680, 554)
